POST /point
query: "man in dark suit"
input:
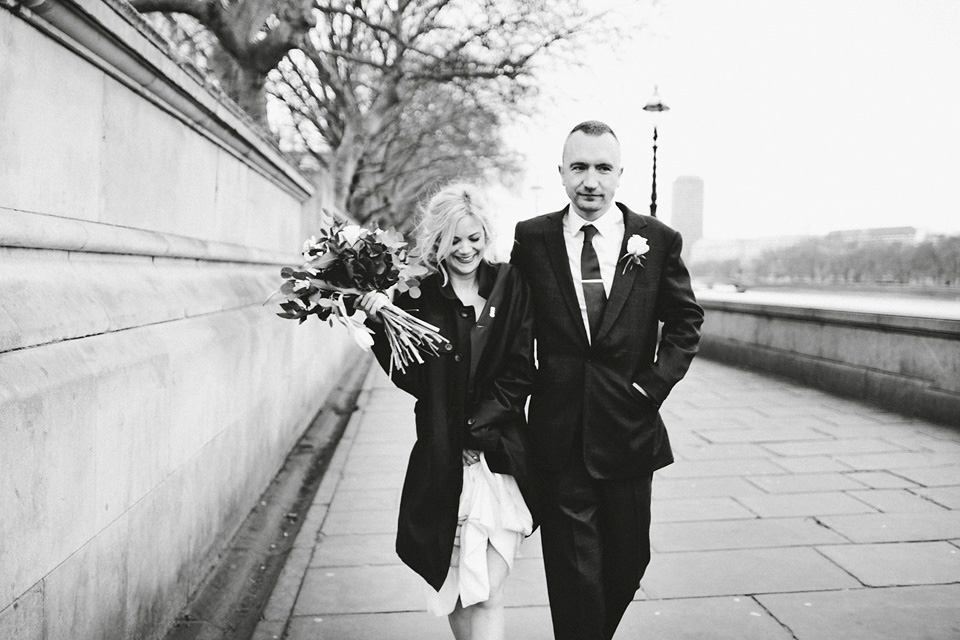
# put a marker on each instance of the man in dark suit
(602, 279)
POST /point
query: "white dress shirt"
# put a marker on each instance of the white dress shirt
(606, 243)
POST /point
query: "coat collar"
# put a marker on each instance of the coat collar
(486, 276)
(622, 281)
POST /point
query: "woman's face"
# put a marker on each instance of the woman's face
(467, 247)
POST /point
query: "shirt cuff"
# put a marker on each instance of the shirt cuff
(646, 395)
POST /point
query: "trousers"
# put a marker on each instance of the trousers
(596, 547)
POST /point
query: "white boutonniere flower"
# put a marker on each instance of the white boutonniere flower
(352, 233)
(637, 247)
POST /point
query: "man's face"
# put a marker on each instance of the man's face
(591, 172)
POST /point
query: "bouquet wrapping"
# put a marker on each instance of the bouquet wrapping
(346, 261)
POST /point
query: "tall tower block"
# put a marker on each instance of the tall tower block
(687, 211)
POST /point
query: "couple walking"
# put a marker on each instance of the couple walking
(589, 285)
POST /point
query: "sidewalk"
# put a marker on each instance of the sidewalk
(789, 513)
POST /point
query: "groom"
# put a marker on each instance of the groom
(602, 278)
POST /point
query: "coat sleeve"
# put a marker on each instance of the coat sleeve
(677, 308)
(410, 380)
(517, 253)
(502, 401)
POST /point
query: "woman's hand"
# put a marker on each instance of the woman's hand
(470, 456)
(371, 303)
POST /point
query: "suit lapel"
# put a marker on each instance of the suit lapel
(623, 279)
(480, 332)
(557, 250)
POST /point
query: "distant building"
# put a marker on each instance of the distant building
(886, 235)
(687, 211)
(744, 250)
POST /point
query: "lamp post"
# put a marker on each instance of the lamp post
(535, 190)
(655, 106)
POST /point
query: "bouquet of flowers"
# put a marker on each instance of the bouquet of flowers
(346, 261)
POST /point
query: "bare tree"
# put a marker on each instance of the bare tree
(250, 39)
(390, 97)
(441, 134)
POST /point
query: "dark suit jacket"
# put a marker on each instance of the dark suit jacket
(584, 388)
(480, 408)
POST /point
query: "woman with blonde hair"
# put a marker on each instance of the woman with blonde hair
(466, 500)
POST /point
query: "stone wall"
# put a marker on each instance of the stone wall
(907, 364)
(147, 397)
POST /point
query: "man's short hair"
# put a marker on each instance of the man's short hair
(594, 128)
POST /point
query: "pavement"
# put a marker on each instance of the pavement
(789, 514)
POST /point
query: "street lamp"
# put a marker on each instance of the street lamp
(535, 190)
(655, 106)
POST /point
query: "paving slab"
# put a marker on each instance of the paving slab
(865, 417)
(269, 630)
(417, 625)
(948, 497)
(811, 464)
(397, 448)
(896, 501)
(881, 480)
(772, 433)
(806, 483)
(714, 468)
(728, 618)
(363, 465)
(933, 477)
(929, 442)
(921, 442)
(365, 499)
(698, 509)
(370, 481)
(531, 546)
(905, 460)
(354, 550)
(777, 407)
(833, 447)
(739, 534)
(527, 583)
(360, 522)
(742, 572)
(841, 427)
(898, 563)
(895, 613)
(791, 505)
(665, 489)
(704, 451)
(896, 527)
(367, 589)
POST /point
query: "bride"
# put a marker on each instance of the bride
(466, 500)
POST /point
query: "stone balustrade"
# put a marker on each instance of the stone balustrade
(908, 363)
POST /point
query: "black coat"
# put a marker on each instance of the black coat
(471, 396)
(587, 388)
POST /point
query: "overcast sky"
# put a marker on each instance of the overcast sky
(800, 117)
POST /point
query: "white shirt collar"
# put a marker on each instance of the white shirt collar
(608, 224)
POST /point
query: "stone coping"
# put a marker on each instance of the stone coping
(876, 321)
(113, 37)
(29, 230)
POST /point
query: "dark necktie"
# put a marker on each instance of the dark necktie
(592, 283)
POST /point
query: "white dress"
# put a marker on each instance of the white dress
(493, 511)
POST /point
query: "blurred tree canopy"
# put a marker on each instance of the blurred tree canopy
(384, 99)
(935, 261)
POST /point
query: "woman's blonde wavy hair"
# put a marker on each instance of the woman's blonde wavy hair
(439, 219)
